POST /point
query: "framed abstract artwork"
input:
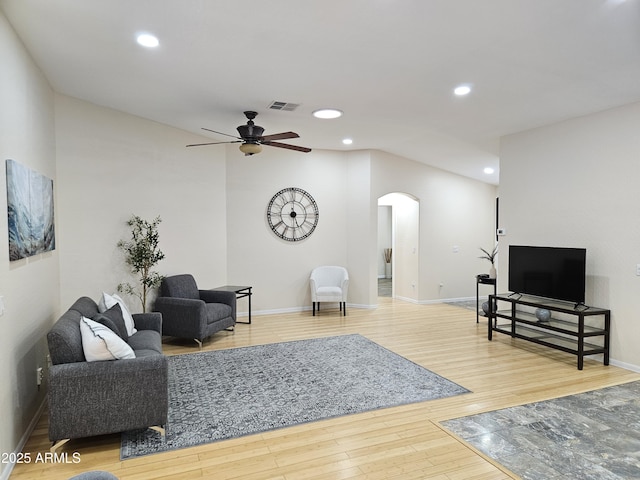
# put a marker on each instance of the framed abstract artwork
(29, 212)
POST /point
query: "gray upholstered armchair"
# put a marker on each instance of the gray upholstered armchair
(188, 312)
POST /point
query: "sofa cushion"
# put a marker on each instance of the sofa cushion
(101, 343)
(329, 292)
(146, 340)
(180, 286)
(146, 353)
(113, 319)
(216, 311)
(107, 301)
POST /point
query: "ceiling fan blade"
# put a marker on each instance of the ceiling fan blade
(212, 143)
(287, 146)
(220, 133)
(280, 136)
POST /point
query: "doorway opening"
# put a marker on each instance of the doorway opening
(398, 241)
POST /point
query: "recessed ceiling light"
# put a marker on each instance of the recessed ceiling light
(462, 90)
(148, 40)
(347, 141)
(488, 170)
(327, 113)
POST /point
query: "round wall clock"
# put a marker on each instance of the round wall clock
(292, 214)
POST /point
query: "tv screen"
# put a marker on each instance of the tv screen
(551, 272)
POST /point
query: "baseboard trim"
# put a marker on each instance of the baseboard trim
(626, 366)
(407, 299)
(6, 473)
(276, 311)
(446, 300)
(304, 309)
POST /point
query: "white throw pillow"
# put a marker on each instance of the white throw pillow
(101, 343)
(107, 301)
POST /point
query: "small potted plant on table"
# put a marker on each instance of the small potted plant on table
(492, 258)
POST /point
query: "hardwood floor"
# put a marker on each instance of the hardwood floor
(396, 443)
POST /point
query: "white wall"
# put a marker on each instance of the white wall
(384, 236)
(455, 211)
(362, 227)
(29, 286)
(278, 269)
(405, 224)
(406, 220)
(574, 184)
(213, 204)
(112, 165)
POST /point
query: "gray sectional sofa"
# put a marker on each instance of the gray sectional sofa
(101, 397)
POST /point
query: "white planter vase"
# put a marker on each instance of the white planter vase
(492, 272)
(387, 270)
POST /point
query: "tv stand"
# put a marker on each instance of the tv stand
(566, 330)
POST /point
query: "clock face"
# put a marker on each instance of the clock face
(292, 214)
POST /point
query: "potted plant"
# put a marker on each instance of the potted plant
(387, 263)
(142, 254)
(492, 258)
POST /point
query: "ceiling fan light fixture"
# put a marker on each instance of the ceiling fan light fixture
(250, 148)
(327, 113)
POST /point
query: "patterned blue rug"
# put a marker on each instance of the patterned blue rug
(229, 393)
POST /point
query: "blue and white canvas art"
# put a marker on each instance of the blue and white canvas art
(29, 212)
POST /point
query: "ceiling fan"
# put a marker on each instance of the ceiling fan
(252, 139)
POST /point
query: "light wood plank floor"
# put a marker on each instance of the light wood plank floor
(396, 443)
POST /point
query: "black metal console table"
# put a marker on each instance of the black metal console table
(564, 330)
(484, 280)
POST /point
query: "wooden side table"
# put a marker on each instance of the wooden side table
(484, 280)
(241, 291)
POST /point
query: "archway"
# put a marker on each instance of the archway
(399, 213)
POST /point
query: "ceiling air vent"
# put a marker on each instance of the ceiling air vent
(288, 107)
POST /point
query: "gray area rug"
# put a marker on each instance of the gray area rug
(593, 435)
(229, 393)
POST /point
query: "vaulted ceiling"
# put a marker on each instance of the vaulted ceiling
(389, 65)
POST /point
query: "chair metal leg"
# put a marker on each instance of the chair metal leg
(314, 308)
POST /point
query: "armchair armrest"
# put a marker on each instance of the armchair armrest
(217, 296)
(181, 316)
(148, 321)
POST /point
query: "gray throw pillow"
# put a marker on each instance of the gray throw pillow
(113, 320)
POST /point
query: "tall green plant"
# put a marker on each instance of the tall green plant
(142, 254)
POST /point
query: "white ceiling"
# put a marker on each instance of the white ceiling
(390, 65)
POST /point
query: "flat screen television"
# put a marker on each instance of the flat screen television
(551, 272)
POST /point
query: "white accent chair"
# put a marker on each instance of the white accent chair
(329, 284)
